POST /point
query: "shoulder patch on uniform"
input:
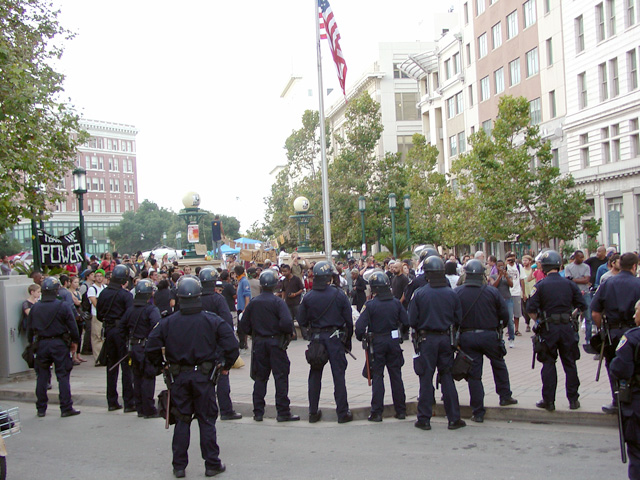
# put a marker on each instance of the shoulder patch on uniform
(533, 290)
(364, 307)
(621, 343)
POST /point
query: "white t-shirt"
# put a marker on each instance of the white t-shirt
(94, 291)
(515, 274)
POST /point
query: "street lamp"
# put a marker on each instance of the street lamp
(392, 207)
(80, 188)
(407, 207)
(302, 217)
(362, 206)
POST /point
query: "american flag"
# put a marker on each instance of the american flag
(329, 26)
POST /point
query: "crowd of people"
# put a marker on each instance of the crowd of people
(448, 304)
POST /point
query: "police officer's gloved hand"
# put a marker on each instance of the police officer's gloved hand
(536, 327)
(347, 343)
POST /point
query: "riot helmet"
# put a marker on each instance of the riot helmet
(208, 275)
(550, 260)
(268, 280)
(189, 286)
(474, 273)
(144, 290)
(322, 275)
(120, 274)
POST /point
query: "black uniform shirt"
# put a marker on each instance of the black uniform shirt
(554, 294)
(617, 298)
(52, 319)
(416, 283)
(434, 309)
(215, 303)
(381, 316)
(266, 315)
(338, 314)
(487, 312)
(142, 318)
(193, 339)
(112, 303)
(623, 365)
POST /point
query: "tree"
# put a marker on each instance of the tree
(510, 180)
(9, 245)
(303, 146)
(143, 229)
(39, 134)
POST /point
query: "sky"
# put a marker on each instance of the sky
(201, 81)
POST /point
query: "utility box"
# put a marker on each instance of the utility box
(13, 291)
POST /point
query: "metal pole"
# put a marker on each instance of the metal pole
(326, 214)
(37, 267)
(393, 231)
(408, 231)
(364, 239)
(81, 222)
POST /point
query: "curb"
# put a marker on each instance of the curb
(505, 414)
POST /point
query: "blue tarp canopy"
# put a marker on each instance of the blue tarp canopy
(227, 250)
(246, 240)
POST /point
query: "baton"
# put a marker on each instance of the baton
(119, 362)
(366, 357)
(623, 451)
(600, 360)
(166, 420)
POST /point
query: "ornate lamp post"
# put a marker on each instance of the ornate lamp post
(192, 215)
(362, 206)
(392, 207)
(407, 207)
(80, 188)
(301, 207)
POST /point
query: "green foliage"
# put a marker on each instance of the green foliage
(38, 137)
(567, 251)
(27, 269)
(9, 245)
(509, 186)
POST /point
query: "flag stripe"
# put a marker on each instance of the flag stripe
(328, 23)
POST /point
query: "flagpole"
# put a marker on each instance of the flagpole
(326, 217)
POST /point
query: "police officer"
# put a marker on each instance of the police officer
(213, 302)
(434, 311)
(615, 299)
(625, 366)
(484, 315)
(112, 303)
(421, 279)
(326, 312)
(550, 305)
(268, 320)
(54, 327)
(191, 338)
(380, 322)
(135, 326)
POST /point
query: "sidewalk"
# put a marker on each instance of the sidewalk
(88, 387)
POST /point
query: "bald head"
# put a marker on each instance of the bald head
(601, 252)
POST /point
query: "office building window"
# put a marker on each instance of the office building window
(447, 69)
(498, 76)
(405, 143)
(547, 6)
(552, 104)
(457, 66)
(579, 30)
(451, 107)
(615, 142)
(466, 13)
(582, 90)
(479, 7)
(606, 154)
(471, 95)
(584, 151)
(600, 34)
(406, 106)
(532, 62)
(529, 9)
(632, 69)
(487, 127)
(496, 35)
(634, 138)
(535, 111)
(397, 73)
(468, 49)
(549, 52)
(611, 17)
(514, 72)
(603, 80)
(512, 24)
(453, 146)
(482, 45)
(630, 14)
(615, 81)
(459, 103)
(555, 158)
(462, 142)
(485, 91)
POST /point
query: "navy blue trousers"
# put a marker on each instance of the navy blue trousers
(631, 425)
(53, 351)
(436, 352)
(270, 359)
(193, 394)
(338, 362)
(223, 393)
(144, 381)
(477, 345)
(610, 353)
(387, 353)
(116, 349)
(561, 340)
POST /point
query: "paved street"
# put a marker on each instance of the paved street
(88, 386)
(101, 445)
